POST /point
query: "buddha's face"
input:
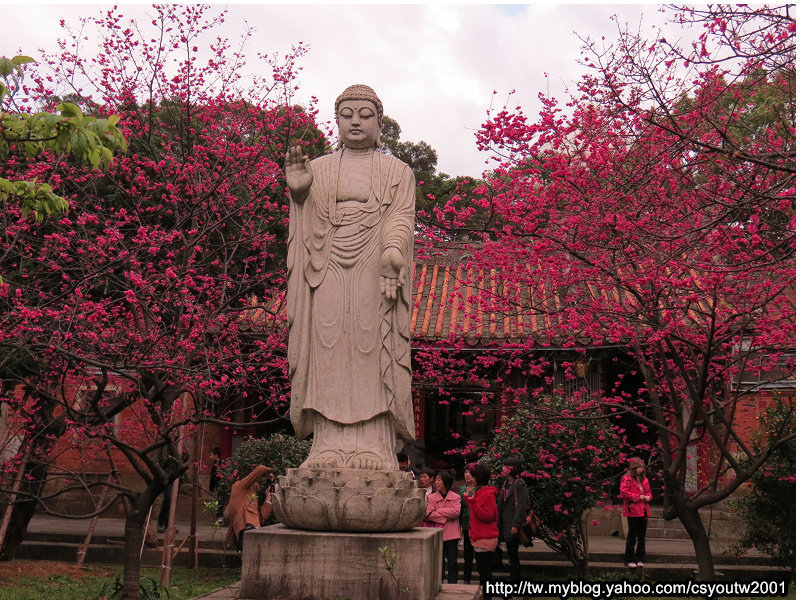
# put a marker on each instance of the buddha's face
(358, 123)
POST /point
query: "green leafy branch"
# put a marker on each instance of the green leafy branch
(389, 561)
(86, 139)
(12, 72)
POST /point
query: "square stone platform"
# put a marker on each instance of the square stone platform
(279, 562)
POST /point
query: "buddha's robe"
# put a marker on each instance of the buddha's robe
(349, 347)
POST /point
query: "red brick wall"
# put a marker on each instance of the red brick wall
(751, 406)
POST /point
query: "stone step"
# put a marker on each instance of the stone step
(65, 546)
(661, 524)
(659, 558)
(722, 529)
(667, 534)
(537, 570)
(103, 540)
(113, 554)
(534, 564)
(652, 561)
(723, 525)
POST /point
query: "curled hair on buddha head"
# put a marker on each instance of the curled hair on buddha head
(360, 91)
(516, 466)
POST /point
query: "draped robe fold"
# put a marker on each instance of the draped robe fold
(349, 348)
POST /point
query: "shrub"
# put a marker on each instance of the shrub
(768, 506)
(278, 451)
(570, 463)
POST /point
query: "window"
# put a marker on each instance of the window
(763, 371)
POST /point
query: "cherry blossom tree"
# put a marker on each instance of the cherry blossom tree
(153, 304)
(655, 212)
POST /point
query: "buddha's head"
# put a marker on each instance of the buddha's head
(359, 115)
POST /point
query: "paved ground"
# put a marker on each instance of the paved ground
(206, 531)
(665, 556)
(450, 591)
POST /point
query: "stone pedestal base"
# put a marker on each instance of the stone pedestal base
(278, 562)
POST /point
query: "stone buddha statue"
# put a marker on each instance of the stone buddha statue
(351, 235)
(350, 249)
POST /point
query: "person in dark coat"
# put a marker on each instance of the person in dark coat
(213, 477)
(405, 464)
(213, 472)
(512, 508)
(469, 489)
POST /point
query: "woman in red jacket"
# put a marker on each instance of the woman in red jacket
(483, 530)
(635, 492)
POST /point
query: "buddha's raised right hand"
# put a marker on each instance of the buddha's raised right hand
(299, 175)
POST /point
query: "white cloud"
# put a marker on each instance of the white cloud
(434, 66)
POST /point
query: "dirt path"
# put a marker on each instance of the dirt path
(12, 570)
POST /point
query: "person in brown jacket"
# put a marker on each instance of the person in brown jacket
(243, 505)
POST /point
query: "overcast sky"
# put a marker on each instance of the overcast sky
(435, 67)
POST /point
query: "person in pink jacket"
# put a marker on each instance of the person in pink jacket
(444, 506)
(635, 492)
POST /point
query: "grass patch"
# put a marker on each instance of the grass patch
(49, 580)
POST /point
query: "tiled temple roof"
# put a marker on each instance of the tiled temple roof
(457, 301)
(447, 300)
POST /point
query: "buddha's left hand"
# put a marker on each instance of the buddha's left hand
(393, 273)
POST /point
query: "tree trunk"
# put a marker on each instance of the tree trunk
(583, 567)
(131, 561)
(21, 516)
(690, 517)
(676, 504)
(576, 550)
(12, 498)
(22, 512)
